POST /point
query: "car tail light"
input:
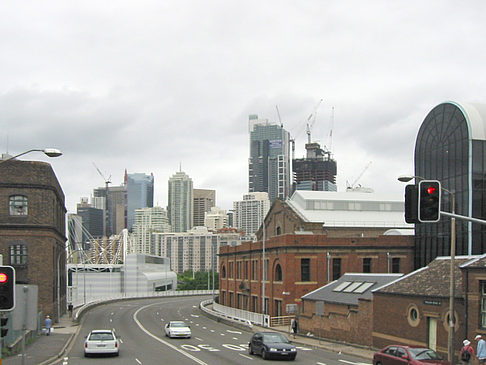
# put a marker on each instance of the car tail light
(85, 345)
(116, 344)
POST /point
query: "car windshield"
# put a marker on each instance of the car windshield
(101, 336)
(424, 354)
(275, 338)
(178, 324)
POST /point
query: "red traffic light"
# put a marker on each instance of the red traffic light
(431, 190)
(3, 278)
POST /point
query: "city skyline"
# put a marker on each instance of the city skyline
(146, 88)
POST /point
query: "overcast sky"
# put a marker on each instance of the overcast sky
(148, 86)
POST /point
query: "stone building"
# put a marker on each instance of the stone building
(32, 230)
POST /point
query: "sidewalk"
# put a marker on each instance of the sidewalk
(354, 350)
(46, 349)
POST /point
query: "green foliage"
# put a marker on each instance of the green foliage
(197, 281)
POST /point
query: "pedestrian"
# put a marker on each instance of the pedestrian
(467, 352)
(294, 326)
(481, 349)
(48, 324)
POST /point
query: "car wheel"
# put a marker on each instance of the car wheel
(264, 355)
(250, 350)
(86, 354)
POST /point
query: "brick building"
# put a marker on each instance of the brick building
(418, 305)
(299, 263)
(343, 309)
(32, 230)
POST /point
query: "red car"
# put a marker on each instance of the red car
(407, 355)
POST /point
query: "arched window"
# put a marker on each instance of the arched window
(278, 273)
(223, 272)
(279, 231)
(17, 205)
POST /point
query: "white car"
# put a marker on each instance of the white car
(101, 342)
(177, 329)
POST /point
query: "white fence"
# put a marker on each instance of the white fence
(241, 315)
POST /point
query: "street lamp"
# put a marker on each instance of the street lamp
(50, 152)
(450, 347)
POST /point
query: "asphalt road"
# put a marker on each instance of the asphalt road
(140, 324)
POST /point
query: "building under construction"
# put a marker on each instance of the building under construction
(317, 171)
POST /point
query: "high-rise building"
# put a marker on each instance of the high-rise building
(147, 221)
(195, 250)
(91, 220)
(180, 202)
(116, 215)
(451, 147)
(317, 171)
(204, 200)
(216, 219)
(250, 212)
(269, 162)
(140, 194)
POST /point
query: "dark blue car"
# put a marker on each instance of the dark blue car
(271, 345)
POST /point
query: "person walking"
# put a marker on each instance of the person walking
(467, 352)
(481, 349)
(48, 324)
(294, 326)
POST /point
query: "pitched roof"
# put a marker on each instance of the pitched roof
(431, 280)
(350, 287)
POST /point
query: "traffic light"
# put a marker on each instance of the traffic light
(411, 204)
(3, 323)
(429, 201)
(7, 288)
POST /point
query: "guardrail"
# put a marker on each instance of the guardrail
(236, 315)
(79, 310)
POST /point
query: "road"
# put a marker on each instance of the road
(139, 324)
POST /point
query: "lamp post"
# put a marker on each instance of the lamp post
(50, 152)
(450, 346)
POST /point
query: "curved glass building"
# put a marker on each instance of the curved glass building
(451, 148)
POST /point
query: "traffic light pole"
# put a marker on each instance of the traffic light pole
(462, 217)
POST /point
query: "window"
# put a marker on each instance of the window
(223, 272)
(230, 273)
(395, 265)
(238, 270)
(278, 273)
(336, 268)
(483, 304)
(305, 269)
(367, 265)
(18, 205)
(18, 255)
(278, 231)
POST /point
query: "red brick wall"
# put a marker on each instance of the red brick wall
(288, 250)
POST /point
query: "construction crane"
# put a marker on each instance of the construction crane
(352, 186)
(311, 120)
(107, 182)
(330, 130)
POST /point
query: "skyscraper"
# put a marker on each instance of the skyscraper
(204, 200)
(91, 220)
(116, 216)
(180, 202)
(147, 221)
(269, 162)
(315, 172)
(140, 194)
(250, 212)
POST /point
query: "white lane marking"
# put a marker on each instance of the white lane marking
(231, 331)
(233, 347)
(161, 340)
(199, 339)
(354, 363)
(304, 348)
(194, 315)
(235, 338)
(111, 319)
(321, 363)
(204, 327)
(137, 360)
(246, 357)
(112, 313)
(211, 330)
(222, 334)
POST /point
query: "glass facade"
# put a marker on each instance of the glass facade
(446, 150)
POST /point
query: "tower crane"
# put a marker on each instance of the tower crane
(310, 123)
(352, 186)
